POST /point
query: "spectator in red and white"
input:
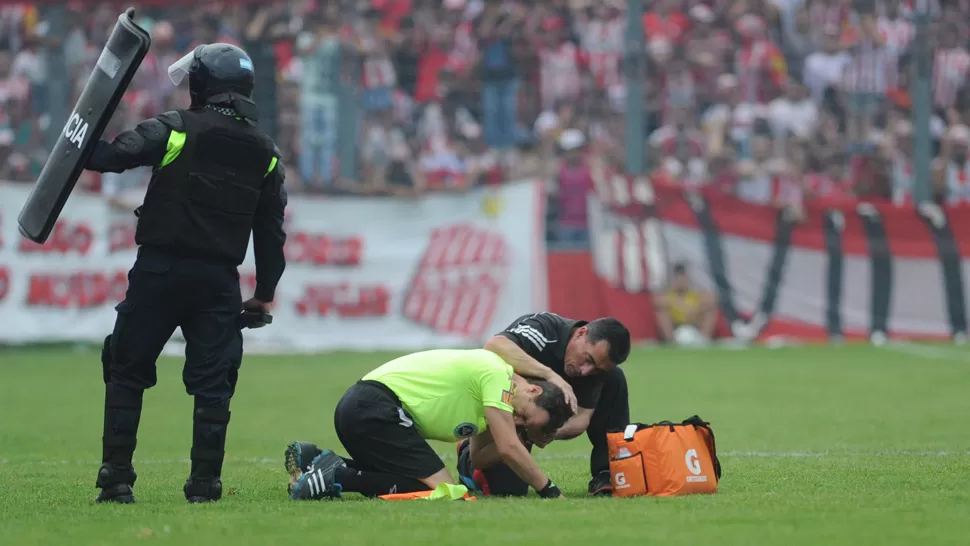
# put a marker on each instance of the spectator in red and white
(665, 20)
(464, 44)
(709, 48)
(951, 169)
(602, 38)
(951, 66)
(896, 30)
(378, 77)
(420, 56)
(824, 69)
(900, 141)
(867, 77)
(560, 65)
(575, 183)
(759, 64)
(440, 159)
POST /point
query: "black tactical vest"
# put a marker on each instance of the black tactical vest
(202, 204)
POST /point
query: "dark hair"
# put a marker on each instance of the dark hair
(680, 267)
(553, 401)
(616, 336)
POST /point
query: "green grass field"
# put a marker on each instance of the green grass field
(842, 445)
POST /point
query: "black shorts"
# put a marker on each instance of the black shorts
(379, 434)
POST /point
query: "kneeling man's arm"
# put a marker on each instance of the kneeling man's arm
(509, 447)
(576, 425)
(483, 452)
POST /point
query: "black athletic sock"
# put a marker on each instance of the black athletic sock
(373, 484)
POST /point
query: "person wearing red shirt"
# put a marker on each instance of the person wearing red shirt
(666, 21)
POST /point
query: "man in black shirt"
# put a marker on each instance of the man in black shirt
(583, 360)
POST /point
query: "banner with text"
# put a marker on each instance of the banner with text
(362, 273)
(835, 269)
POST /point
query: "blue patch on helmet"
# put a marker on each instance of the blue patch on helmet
(246, 64)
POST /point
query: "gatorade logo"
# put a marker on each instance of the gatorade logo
(694, 466)
(75, 130)
(692, 463)
(620, 481)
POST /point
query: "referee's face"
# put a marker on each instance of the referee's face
(525, 412)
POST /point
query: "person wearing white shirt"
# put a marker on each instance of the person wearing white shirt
(795, 113)
(824, 69)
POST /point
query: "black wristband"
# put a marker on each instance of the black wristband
(550, 491)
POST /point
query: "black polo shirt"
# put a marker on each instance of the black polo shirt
(544, 337)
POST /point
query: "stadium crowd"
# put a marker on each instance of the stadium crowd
(776, 101)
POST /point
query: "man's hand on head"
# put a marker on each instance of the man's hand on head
(566, 388)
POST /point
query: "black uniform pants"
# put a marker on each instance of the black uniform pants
(166, 291)
(612, 413)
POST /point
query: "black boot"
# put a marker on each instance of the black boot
(116, 484)
(198, 490)
(209, 427)
(122, 413)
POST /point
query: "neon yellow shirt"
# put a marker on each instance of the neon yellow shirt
(446, 391)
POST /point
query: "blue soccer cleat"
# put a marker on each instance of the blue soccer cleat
(318, 482)
(297, 459)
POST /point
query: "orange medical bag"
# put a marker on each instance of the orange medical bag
(664, 459)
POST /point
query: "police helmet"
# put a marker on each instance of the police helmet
(218, 74)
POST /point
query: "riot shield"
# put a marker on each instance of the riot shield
(120, 59)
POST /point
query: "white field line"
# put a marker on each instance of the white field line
(931, 352)
(278, 461)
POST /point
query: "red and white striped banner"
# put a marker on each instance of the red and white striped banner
(844, 269)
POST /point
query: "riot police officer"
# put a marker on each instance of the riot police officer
(217, 178)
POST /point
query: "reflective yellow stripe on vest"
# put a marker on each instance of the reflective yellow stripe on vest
(176, 141)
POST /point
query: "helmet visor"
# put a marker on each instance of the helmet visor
(180, 68)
